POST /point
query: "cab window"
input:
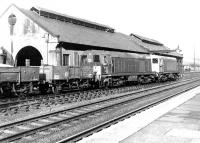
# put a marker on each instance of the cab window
(155, 60)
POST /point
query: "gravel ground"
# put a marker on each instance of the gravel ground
(80, 126)
(36, 112)
(44, 110)
(66, 131)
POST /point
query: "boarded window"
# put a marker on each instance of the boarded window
(83, 59)
(76, 59)
(65, 59)
(96, 58)
(155, 60)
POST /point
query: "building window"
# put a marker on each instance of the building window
(96, 58)
(65, 59)
(83, 59)
(155, 60)
(76, 59)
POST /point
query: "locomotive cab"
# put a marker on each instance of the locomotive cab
(101, 64)
(167, 68)
(104, 66)
(156, 63)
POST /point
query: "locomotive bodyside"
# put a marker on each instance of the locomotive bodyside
(170, 65)
(119, 67)
(130, 66)
(166, 67)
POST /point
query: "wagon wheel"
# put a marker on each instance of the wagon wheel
(6, 89)
(55, 89)
(43, 88)
(140, 80)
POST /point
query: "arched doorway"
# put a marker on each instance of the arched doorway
(30, 53)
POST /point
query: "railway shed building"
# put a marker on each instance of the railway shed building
(56, 39)
(40, 36)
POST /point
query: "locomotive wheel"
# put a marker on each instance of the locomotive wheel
(140, 80)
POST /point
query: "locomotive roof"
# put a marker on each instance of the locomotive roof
(73, 33)
(116, 54)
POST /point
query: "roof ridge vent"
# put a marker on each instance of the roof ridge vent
(69, 19)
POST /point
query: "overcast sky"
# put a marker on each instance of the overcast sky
(172, 22)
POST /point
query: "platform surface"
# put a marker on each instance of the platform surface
(174, 121)
(180, 125)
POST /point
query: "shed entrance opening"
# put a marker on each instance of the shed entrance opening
(28, 55)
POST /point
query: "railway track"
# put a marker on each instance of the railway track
(30, 129)
(13, 106)
(145, 104)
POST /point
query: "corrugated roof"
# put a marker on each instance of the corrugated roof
(147, 40)
(154, 46)
(71, 33)
(148, 46)
(84, 20)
